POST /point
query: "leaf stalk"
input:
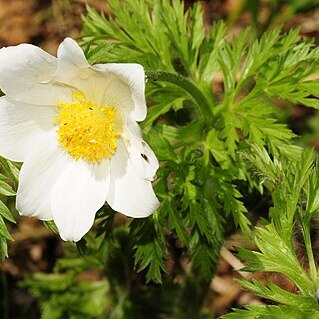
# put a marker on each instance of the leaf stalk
(203, 107)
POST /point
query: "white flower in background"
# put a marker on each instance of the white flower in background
(74, 127)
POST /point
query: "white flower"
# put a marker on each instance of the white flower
(74, 127)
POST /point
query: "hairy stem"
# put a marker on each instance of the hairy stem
(203, 107)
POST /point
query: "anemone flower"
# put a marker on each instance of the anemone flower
(73, 125)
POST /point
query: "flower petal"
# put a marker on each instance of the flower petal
(26, 75)
(22, 127)
(97, 86)
(133, 75)
(128, 193)
(141, 155)
(73, 69)
(69, 52)
(37, 177)
(79, 192)
(118, 85)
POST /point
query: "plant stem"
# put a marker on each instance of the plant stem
(307, 240)
(203, 107)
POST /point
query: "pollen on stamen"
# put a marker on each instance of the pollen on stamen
(78, 95)
(87, 130)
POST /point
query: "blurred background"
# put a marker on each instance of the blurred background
(46, 23)
(42, 22)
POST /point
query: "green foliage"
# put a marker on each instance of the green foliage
(100, 284)
(277, 294)
(135, 30)
(291, 184)
(216, 147)
(201, 143)
(271, 312)
(9, 176)
(64, 296)
(150, 247)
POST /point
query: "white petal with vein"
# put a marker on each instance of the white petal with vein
(22, 127)
(37, 177)
(129, 193)
(133, 75)
(26, 75)
(79, 192)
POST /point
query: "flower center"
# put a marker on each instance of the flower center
(86, 130)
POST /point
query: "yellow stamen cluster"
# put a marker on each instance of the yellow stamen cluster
(86, 130)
